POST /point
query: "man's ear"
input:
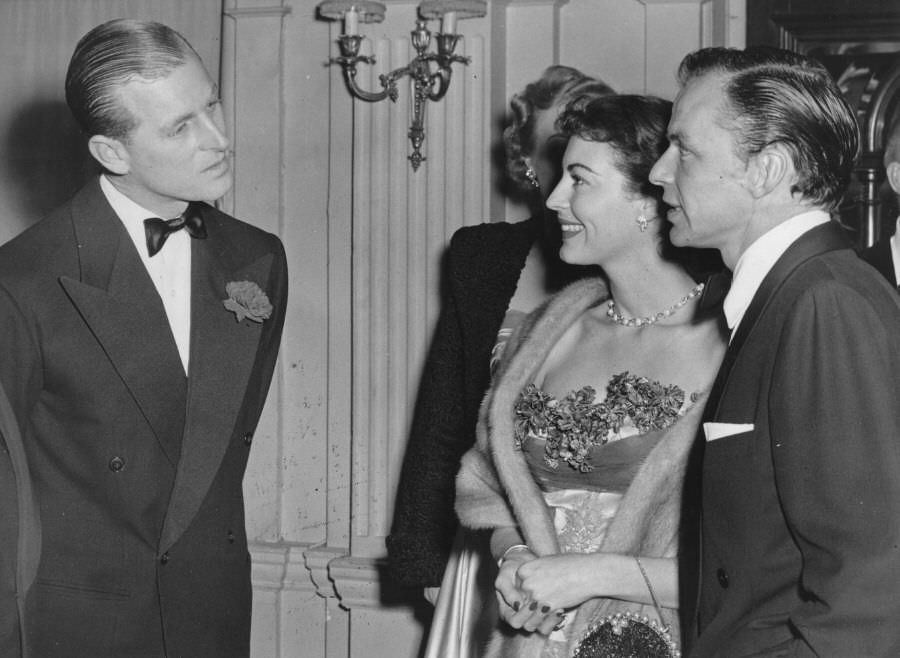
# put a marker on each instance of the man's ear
(110, 153)
(770, 168)
(893, 176)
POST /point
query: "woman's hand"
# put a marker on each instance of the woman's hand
(534, 592)
(511, 600)
(559, 582)
(517, 608)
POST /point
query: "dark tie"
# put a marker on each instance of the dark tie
(715, 290)
(158, 230)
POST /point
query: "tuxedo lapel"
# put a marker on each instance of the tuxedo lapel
(223, 353)
(120, 305)
(826, 237)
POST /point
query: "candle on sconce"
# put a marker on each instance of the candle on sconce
(351, 21)
(448, 23)
(429, 71)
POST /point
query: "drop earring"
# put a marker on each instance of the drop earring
(532, 177)
(642, 222)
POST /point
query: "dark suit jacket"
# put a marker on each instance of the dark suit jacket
(138, 468)
(880, 257)
(20, 536)
(801, 513)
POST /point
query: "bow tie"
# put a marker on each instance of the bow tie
(158, 230)
(717, 286)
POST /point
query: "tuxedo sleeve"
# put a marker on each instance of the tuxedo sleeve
(835, 431)
(20, 361)
(20, 538)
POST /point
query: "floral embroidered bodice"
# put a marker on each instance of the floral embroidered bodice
(572, 428)
(583, 453)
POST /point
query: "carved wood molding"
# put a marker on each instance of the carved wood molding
(318, 561)
(795, 30)
(673, 2)
(357, 581)
(257, 12)
(295, 567)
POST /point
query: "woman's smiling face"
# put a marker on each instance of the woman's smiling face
(595, 204)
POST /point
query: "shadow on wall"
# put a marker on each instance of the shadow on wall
(43, 162)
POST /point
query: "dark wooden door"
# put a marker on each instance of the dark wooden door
(859, 42)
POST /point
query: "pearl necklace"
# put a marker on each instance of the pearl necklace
(618, 318)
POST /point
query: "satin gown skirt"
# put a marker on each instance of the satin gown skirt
(466, 610)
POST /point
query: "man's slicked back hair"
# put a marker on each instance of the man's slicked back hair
(108, 57)
(776, 96)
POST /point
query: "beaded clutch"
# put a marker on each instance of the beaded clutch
(626, 635)
(629, 635)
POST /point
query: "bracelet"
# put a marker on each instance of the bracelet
(509, 550)
(656, 605)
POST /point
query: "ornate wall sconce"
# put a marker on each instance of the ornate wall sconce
(429, 72)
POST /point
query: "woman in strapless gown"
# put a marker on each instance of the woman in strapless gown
(585, 435)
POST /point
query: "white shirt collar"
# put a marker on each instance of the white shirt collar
(759, 258)
(895, 251)
(131, 213)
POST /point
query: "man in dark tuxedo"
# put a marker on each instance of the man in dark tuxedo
(140, 329)
(800, 498)
(884, 255)
(20, 534)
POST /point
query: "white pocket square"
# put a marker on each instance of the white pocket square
(715, 431)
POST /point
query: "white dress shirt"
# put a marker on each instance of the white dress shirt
(170, 268)
(895, 251)
(759, 258)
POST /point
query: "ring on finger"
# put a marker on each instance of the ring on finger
(563, 620)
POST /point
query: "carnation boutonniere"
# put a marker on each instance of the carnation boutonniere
(247, 300)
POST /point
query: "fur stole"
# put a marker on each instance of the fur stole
(495, 487)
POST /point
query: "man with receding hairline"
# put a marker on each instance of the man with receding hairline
(800, 449)
(884, 255)
(140, 329)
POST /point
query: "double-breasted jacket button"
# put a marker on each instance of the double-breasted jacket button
(248, 438)
(116, 464)
(722, 577)
(164, 558)
(230, 537)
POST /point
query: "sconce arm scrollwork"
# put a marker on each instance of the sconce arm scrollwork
(430, 72)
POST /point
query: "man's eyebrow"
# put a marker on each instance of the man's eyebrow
(187, 116)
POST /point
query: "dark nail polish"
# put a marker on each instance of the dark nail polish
(533, 605)
(545, 609)
(516, 606)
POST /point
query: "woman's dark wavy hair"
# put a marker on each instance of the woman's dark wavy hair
(556, 87)
(635, 127)
(777, 96)
(109, 56)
